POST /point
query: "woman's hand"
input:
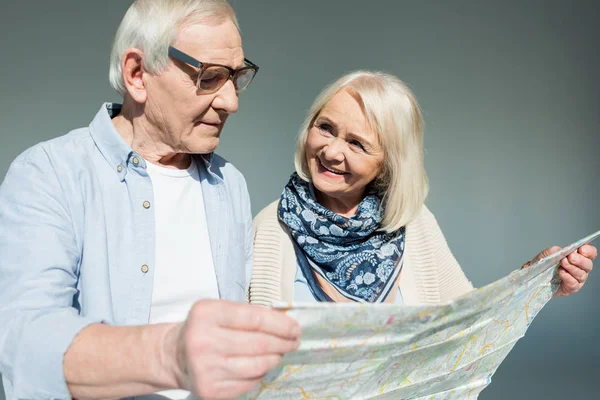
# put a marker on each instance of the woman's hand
(574, 269)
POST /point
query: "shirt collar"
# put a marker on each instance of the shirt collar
(109, 141)
(119, 154)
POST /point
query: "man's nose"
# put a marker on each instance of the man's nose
(226, 98)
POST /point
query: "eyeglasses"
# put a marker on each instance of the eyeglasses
(212, 77)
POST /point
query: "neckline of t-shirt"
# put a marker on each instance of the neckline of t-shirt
(174, 172)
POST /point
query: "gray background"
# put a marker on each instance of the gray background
(510, 95)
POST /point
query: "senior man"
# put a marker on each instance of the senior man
(118, 240)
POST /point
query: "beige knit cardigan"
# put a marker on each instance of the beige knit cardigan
(430, 274)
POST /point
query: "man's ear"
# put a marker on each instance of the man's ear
(132, 67)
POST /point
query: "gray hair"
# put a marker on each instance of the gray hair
(152, 25)
(393, 113)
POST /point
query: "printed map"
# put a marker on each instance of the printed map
(387, 351)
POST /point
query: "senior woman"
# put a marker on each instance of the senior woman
(351, 224)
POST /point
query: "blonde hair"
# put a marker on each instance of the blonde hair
(152, 25)
(393, 113)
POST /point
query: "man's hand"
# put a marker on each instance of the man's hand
(574, 269)
(223, 349)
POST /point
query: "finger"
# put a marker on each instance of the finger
(250, 368)
(580, 261)
(258, 319)
(546, 252)
(569, 284)
(232, 342)
(574, 271)
(588, 251)
(551, 250)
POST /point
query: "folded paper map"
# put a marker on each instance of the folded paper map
(387, 351)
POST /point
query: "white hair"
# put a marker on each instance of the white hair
(393, 113)
(152, 25)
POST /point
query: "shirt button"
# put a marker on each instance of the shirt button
(146, 204)
(135, 160)
(120, 168)
(145, 268)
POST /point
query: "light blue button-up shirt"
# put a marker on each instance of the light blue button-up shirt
(77, 247)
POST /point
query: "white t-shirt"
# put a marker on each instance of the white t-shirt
(184, 270)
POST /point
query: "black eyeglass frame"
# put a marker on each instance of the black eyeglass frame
(202, 66)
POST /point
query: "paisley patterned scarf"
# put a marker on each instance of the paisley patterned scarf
(349, 253)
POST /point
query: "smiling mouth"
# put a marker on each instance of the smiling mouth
(334, 171)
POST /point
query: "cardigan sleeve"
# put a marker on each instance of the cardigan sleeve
(274, 259)
(452, 281)
(265, 284)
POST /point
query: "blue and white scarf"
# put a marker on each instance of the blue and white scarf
(349, 253)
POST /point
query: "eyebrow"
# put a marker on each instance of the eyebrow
(243, 63)
(233, 66)
(190, 61)
(356, 136)
(195, 68)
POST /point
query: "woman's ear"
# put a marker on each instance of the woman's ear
(132, 67)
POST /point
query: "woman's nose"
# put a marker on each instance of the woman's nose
(335, 150)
